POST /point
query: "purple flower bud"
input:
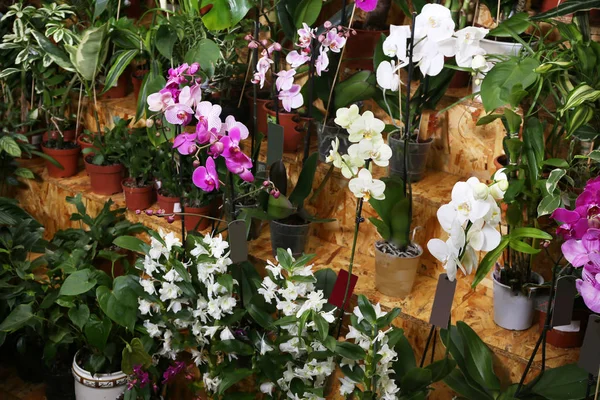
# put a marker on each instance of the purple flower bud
(248, 37)
(252, 45)
(196, 163)
(138, 212)
(160, 211)
(546, 243)
(149, 212)
(339, 28)
(170, 219)
(276, 193)
(321, 38)
(192, 148)
(266, 183)
(277, 47)
(327, 24)
(347, 34)
(264, 42)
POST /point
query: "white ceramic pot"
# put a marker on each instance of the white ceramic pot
(513, 310)
(499, 48)
(99, 386)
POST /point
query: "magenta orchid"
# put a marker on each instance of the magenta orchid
(580, 228)
(181, 101)
(366, 5)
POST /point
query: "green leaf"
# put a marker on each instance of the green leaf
(78, 282)
(135, 354)
(321, 324)
(553, 179)
(350, 351)
(567, 382)
(54, 52)
(97, 332)
(131, 243)
(79, 315)
(121, 303)
(10, 146)
(367, 310)
(488, 261)
(406, 357)
(516, 24)
(305, 181)
(233, 346)
(166, 37)
(87, 54)
(457, 382)
(18, 318)
(231, 377)
(478, 358)
(415, 379)
(116, 70)
(99, 8)
(568, 7)
(24, 173)
(556, 162)
(224, 14)
(279, 208)
(325, 281)
(207, 53)
(441, 368)
(579, 95)
(259, 316)
(548, 204)
(498, 83)
(226, 281)
(360, 86)
(522, 247)
(307, 12)
(533, 233)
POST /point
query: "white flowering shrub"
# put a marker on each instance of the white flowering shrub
(190, 305)
(296, 359)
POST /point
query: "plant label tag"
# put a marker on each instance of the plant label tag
(442, 302)
(275, 143)
(564, 300)
(158, 185)
(589, 356)
(237, 241)
(261, 171)
(339, 288)
(177, 207)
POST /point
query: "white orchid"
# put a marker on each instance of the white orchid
(365, 127)
(448, 252)
(434, 22)
(334, 155)
(500, 185)
(467, 45)
(395, 44)
(483, 237)
(345, 116)
(364, 186)
(430, 54)
(351, 164)
(388, 76)
(376, 149)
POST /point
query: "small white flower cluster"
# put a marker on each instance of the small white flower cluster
(290, 285)
(173, 303)
(375, 347)
(365, 132)
(471, 220)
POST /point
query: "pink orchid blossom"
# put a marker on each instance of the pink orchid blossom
(185, 143)
(366, 5)
(285, 79)
(208, 114)
(296, 59)
(193, 68)
(158, 102)
(305, 36)
(572, 224)
(206, 178)
(191, 95)
(291, 98)
(334, 41)
(322, 62)
(176, 77)
(584, 251)
(589, 287)
(179, 114)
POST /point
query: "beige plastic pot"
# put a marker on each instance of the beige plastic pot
(395, 276)
(99, 386)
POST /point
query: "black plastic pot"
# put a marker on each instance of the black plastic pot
(417, 158)
(326, 135)
(29, 363)
(290, 233)
(59, 384)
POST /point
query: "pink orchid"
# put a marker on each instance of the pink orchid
(366, 5)
(206, 178)
(240, 165)
(231, 123)
(176, 77)
(305, 36)
(190, 95)
(334, 41)
(291, 98)
(208, 114)
(589, 287)
(158, 102)
(296, 59)
(231, 143)
(179, 114)
(203, 135)
(285, 79)
(185, 143)
(322, 62)
(193, 68)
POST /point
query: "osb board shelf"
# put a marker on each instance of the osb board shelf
(45, 200)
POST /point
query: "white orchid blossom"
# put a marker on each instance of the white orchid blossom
(434, 22)
(376, 149)
(345, 116)
(388, 75)
(365, 127)
(467, 45)
(395, 44)
(430, 54)
(500, 185)
(364, 186)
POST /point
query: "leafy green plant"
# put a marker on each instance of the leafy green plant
(109, 149)
(165, 171)
(394, 219)
(138, 155)
(475, 379)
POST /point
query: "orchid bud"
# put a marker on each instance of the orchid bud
(264, 42)
(327, 24)
(160, 211)
(277, 47)
(347, 34)
(275, 193)
(266, 183)
(339, 28)
(170, 219)
(196, 163)
(546, 243)
(149, 212)
(138, 212)
(248, 37)
(253, 45)
(158, 122)
(192, 148)
(157, 134)
(479, 62)
(481, 191)
(321, 38)
(149, 123)
(477, 81)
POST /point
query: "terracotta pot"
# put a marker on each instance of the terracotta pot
(68, 135)
(261, 114)
(360, 49)
(137, 78)
(68, 158)
(138, 198)
(169, 204)
(116, 92)
(500, 162)
(289, 122)
(105, 179)
(196, 222)
(567, 336)
(395, 276)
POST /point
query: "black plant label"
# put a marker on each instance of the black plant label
(237, 241)
(275, 143)
(442, 302)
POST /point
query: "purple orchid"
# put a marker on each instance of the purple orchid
(206, 178)
(296, 59)
(334, 41)
(305, 36)
(285, 79)
(209, 114)
(173, 371)
(572, 225)
(589, 287)
(366, 5)
(185, 143)
(584, 251)
(158, 102)
(322, 61)
(191, 96)
(291, 98)
(179, 114)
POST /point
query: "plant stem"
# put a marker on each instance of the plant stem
(311, 90)
(255, 91)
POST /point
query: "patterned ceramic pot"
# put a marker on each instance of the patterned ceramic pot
(99, 386)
